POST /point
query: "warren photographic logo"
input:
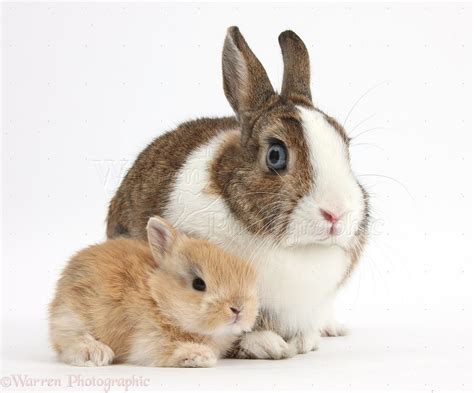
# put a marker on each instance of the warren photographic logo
(74, 382)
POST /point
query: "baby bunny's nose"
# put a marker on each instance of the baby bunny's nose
(236, 310)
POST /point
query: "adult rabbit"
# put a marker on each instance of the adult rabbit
(273, 184)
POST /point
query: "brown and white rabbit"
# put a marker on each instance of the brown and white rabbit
(177, 302)
(273, 184)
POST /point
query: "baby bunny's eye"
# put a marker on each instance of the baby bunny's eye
(276, 157)
(199, 284)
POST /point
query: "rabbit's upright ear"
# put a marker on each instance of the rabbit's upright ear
(161, 236)
(297, 71)
(246, 84)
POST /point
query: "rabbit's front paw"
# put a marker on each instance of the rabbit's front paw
(264, 345)
(195, 355)
(334, 329)
(304, 343)
(88, 352)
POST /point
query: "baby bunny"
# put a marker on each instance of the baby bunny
(176, 302)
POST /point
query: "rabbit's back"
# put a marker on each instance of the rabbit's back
(146, 188)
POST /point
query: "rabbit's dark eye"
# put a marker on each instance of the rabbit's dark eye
(199, 284)
(276, 157)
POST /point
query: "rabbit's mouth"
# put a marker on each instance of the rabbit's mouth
(234, 327)
(236, 319)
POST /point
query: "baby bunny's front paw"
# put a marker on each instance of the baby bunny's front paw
(304, 343)
(195, 355)
(263, 345)
(88, 352)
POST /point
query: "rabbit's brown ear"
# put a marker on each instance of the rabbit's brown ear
(246, 84)
(297, 71)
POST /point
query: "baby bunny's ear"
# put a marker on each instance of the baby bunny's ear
(161, 236)
(246, 84)
(297, 70)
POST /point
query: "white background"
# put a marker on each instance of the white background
(86, 86)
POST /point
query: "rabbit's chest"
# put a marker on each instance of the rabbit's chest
(297, 286)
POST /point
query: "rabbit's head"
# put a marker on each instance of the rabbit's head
(199, 286)
(289, 174)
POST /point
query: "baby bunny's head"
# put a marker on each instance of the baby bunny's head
(198, 286)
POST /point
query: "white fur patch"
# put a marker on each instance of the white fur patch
(195, 211)
(335, 188)
(296, 284)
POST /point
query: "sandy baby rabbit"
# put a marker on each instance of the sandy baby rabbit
(176, 302)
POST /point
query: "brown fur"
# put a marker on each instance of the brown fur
(297, 70)
(113, 295)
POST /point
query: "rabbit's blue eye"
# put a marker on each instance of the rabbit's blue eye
(276, 157)
(199, 284)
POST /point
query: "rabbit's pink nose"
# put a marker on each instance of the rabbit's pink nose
(236, 310)
(328, 216)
